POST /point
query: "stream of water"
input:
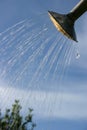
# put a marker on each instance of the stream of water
(33, 53)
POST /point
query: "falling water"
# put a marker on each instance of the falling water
(77, 54)
(33, 53)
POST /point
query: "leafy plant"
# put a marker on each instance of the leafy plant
(12, 119)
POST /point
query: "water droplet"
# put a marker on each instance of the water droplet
(77, 55)
(77, 52)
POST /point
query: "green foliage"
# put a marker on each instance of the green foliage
(12, 119)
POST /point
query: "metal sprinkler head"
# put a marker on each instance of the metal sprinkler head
(65, 22)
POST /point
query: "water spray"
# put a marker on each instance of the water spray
(65, 22)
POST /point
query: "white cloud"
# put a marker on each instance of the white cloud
(47, 104)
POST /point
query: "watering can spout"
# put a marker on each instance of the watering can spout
(65, 22)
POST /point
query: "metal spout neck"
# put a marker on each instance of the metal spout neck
(78, 10)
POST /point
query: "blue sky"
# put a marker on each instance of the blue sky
(61, 102)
